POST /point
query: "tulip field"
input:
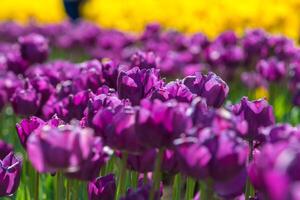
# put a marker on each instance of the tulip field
(103, 114)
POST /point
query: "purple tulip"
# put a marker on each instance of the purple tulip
(136, 84)
(34, 48)
(110, 72)
(91, 76)
(253, 80)
(144, 162)
(10, 174)
(159, 123)
(72, 145)
(257, 113)
(26, 101)
(141, 193)
(193, 158)
(102, 188)
(271, 69)
(173, 90)
(43, 86)
(144, 60)
(26, 127)
(210, 86)
(16, 63)
(121, 134)
(5, 149)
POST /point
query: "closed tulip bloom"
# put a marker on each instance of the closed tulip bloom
(10, 174)
(102, 188)
(159, 123)
(173, 90)
(5, 149)
(210, 86)
(26, 101)
(271, 69)
(215, 90)
(43, 86)
(141, 193)
(16, 63)
(136, 84)
(257, 113)
(72, 145)
(121, 133)
(91, 76)
(143, 162)
(144, 60)
(194, 158)
(26, 127)
(34, 48)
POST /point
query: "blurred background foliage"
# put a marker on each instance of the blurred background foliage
(211, 17)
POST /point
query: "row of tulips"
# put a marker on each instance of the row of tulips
(114, 129)
(257, 59)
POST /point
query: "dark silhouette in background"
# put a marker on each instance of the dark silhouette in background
(72, 8)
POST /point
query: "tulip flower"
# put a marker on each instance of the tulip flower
(10, 174)
(102, 188)
(34, 48)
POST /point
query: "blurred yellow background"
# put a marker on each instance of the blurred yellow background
(210, 17)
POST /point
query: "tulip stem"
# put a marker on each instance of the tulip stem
(190, 186)
(59, 185)
(134, 179)
(208, 193)
(249, 190)
(157, 173)
(122, 179)
(177, 187)
(36, 183)
(68, 189)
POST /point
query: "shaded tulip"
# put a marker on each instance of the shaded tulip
(16, 63)
(257, 113)
(141, 193)
(159, 123)
(102, 188)
(121, 133)
(26, 101)
(34, 48)
(10, 174)
(144, 60)
(5, 149)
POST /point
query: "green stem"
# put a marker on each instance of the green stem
(249, 190)
(208, 193)
(157, 173)
(36, 183)
(134, 179)
(68, 192)
(177, 183)
(190, 187)
(122, 179)
(59, 186)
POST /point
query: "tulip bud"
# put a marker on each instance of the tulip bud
(102, 188)
(34, 48)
